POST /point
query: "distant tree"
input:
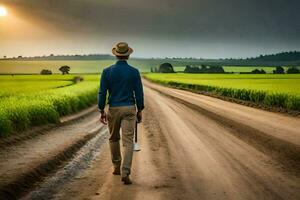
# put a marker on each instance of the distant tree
(20, 57)
(257, 71)
(4, 57)
(46, 72)
(151, 70)
(216, 69)
(262, 71)
(190, 69)
(64, 69)
(166, 68)
(204, 69)
(187, 69)
(293, 70)
(278, 70)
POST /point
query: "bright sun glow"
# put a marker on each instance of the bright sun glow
(3, 11)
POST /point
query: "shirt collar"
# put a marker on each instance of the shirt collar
(121, 62)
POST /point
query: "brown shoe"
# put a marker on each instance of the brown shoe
(117, 171)
(126, 180)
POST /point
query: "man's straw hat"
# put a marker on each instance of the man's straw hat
(122, 49)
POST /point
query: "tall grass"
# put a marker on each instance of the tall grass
(287, 97)
(20, 111)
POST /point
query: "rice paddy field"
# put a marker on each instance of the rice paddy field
(96, 66)
(31, 100)
(80, 66)
(269, 89)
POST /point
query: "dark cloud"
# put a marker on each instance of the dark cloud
(270, 25)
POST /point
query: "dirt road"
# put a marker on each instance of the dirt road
(198, 147)
(193, 147)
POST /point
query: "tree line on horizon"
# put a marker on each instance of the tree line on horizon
(168, 68)
(63, 57)
(283, 56)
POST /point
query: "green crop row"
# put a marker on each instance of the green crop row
(18, 112)
(286, 101)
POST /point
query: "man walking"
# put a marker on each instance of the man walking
(126, 102)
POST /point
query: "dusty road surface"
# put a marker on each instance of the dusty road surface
(195, 147)
(192, 154)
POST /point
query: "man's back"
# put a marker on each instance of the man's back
(123, 83)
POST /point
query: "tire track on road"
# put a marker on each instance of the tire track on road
(31, 161)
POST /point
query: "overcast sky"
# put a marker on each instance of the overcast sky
(156, 28)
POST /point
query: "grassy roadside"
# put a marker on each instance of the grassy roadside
(265, 90)
(21, 110)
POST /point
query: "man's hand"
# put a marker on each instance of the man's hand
(103, 118)
(139, 116)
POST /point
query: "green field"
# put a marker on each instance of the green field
(91, 66)
(30, 100)
(273, 90)
(237, 69)
(96, 66)
(12, 85)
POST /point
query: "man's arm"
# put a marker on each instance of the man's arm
(102, 92)
(139, 93)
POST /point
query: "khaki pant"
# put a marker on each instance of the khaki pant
(123, 117)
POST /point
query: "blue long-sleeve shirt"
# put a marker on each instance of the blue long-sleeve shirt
(124, 85)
